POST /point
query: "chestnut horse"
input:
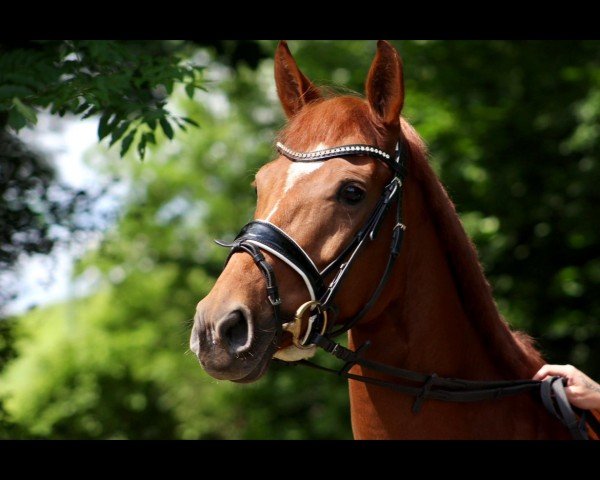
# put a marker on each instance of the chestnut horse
(436, 312)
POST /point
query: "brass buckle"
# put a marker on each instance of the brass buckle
(295, 326)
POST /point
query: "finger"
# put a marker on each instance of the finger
(573, 391)
(541, 373)
(575, 396)
(549, 370)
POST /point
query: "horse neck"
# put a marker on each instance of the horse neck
(440, 315)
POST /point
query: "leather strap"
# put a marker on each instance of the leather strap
(395, 246)
(432, 387)
(556, 402)
(269, 274)
(269, 237)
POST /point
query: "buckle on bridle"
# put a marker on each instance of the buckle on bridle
(295, 326)
(274, 302)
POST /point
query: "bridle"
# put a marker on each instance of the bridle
(311, 328)
(262, 235)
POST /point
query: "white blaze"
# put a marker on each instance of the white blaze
(296, 171)
(273, 210)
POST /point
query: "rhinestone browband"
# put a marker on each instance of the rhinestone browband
(396, 164)
(318, 155)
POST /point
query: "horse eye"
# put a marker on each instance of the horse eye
(351, 194)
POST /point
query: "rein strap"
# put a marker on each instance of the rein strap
(432, 387)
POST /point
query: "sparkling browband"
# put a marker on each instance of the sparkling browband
(318, 155)
(395, 164)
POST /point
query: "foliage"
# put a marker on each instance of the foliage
(150, 284)
(513, 132)
(36, 210)
(126, 83)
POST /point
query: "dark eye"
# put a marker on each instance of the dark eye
(351, 194)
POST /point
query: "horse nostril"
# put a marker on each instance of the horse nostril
(233, 331)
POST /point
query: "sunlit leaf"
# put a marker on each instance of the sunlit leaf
(166, 127)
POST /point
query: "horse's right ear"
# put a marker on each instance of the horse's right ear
(293, 88)
(385, 85)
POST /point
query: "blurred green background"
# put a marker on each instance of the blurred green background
(513, 130)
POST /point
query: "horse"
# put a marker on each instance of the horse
(429, 310)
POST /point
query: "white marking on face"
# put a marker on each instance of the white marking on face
(295, 171)
(298, 169)
(273, 210)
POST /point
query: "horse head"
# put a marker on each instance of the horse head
(321, 205)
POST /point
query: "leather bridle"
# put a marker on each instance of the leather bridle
(263, 235)
(310, 326)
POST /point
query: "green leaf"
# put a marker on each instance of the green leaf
(16, 120)
(180, 124)
(25, 79)
(26, 111)
(10, 91)
(189, 89)
(166, 126)
(190, 121)
(82, 108)
(149, 136)
(127, 143)
(114, 122)
(118, 132)
(141, 147)
(92, 111)
(103, 130)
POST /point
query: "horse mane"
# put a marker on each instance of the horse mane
(474, 290)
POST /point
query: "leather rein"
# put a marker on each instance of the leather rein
(311, 327)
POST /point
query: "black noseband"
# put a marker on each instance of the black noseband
(266, 236)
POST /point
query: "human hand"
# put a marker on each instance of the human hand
(581, 390)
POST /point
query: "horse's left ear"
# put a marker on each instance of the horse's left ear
(385, 84)
(293, 88)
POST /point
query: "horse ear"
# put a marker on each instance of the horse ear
(385, 84)
(293, 88)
